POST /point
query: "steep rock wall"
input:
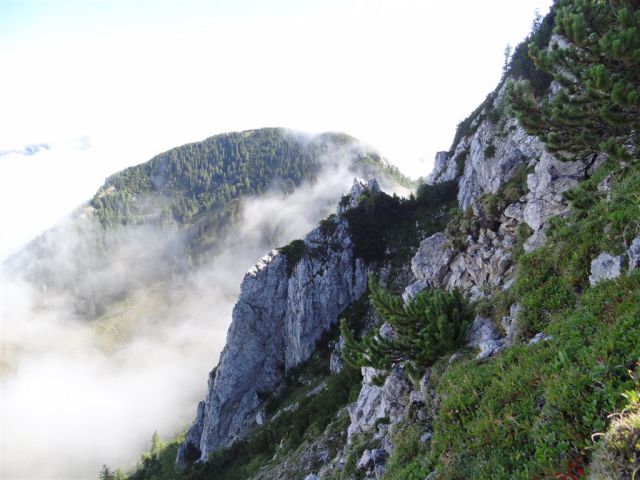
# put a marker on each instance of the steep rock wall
(275, 325)
(485, 161)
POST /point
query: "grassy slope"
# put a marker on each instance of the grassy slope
(532, 411)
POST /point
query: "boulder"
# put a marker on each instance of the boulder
(540, 337)
(483, 334)
(431, 261)
(369, 406)
(605, 267)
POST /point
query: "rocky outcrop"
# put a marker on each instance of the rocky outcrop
(375, 403)
(275, 325)
(634, 254)
(431, 261)
(251, 363)
(550, 178)
(485, 262)
(358, 188)
(324, 282)
(373, 462)
(369, 406)
(335, 360)
(443, 169)
(510, 324)
(605, 267)
(484, 335)
(493, 154)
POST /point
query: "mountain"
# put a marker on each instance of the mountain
(151, 224)
(193, 183)
(489, 326)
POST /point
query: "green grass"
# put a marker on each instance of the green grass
(530, 412)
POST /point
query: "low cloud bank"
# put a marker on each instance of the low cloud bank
(77, 394)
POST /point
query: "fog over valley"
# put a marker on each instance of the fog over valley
(92, 367)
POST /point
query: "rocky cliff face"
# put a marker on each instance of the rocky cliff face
(284, 309)
(482, 163)
(485, 161)
(281, 312)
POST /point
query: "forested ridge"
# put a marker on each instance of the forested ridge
(196, 177)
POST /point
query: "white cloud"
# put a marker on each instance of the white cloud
(398, 74)
(76, 395)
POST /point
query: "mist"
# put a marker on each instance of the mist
(78, 394)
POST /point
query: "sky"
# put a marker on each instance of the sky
(89, 87)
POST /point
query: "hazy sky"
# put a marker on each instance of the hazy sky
(103, 84)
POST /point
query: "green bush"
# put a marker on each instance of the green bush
(387, 227)
(329, 225)
(489, 151)
(294, 252)
(432, 323)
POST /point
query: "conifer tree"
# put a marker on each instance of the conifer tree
(431, 324)
(106, 473)
(596, 64)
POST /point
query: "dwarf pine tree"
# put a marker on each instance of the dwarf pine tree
(595, 61)
(432, 323)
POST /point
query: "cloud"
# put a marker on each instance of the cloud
(78, 394)
(27, 150)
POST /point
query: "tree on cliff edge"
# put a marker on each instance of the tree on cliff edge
(595, 60)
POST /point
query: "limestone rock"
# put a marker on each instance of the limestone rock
(371, 458)
(387, 331)
(412, 290)
(483, 172)
(312, 476)
(550, 178)
(540, 337)
(374, 403)
(324, 283)
(535, 241)
(275, 325)
(369, 406)
(358, 188)
(634, 254)
(510, 324)
(605, 186)
(395, 394)
(189, 451)
(605, 267)
(443, 169)
(335, 361)
(431, 261)
(483, 334)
